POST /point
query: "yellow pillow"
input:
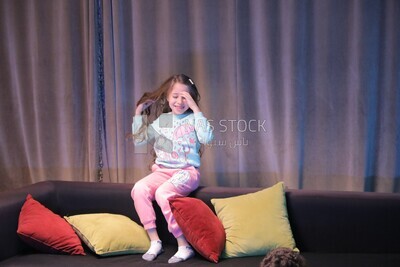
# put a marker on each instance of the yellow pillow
(110, 234)
(255, 223)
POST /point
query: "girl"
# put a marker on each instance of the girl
(171, 120)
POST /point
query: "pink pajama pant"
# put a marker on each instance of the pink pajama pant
(161, 185)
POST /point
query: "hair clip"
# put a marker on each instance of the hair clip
(190, 80)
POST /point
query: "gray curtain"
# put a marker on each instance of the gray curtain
(48, 95)
(306, 92)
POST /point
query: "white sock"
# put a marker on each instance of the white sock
(154, 250)
(184, 253)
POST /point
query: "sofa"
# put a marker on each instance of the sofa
(330, 228)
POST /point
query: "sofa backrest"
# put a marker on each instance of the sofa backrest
(10, 207)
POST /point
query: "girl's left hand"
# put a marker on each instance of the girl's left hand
(190, 102)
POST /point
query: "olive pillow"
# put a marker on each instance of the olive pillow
(255, 223)
(109, 234)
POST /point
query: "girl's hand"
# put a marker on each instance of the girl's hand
(190, 102)
(143, 106)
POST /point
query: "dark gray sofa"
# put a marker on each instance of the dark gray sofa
(330, 228)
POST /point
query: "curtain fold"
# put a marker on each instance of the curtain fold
(306, 92)
(299, 91)
(47, 92)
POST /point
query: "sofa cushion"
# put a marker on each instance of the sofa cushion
(46, 231)
(201, 227)
(255, 223)
(110, 234)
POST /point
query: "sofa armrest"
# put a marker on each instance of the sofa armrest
(345, 222)
(10, 206)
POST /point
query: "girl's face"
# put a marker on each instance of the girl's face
(177, 102)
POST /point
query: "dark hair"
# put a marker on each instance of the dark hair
(283, 257)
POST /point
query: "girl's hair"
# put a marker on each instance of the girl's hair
(160, 105)
(160, 96)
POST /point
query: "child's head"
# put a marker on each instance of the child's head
(164, 99)
(283, 257)
(167, 96)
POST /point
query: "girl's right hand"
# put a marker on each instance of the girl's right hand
(143, 106)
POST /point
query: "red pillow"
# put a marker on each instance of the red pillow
(46, 231)
(201, 227)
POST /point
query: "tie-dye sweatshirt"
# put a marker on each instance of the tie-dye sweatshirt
(176, 138)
